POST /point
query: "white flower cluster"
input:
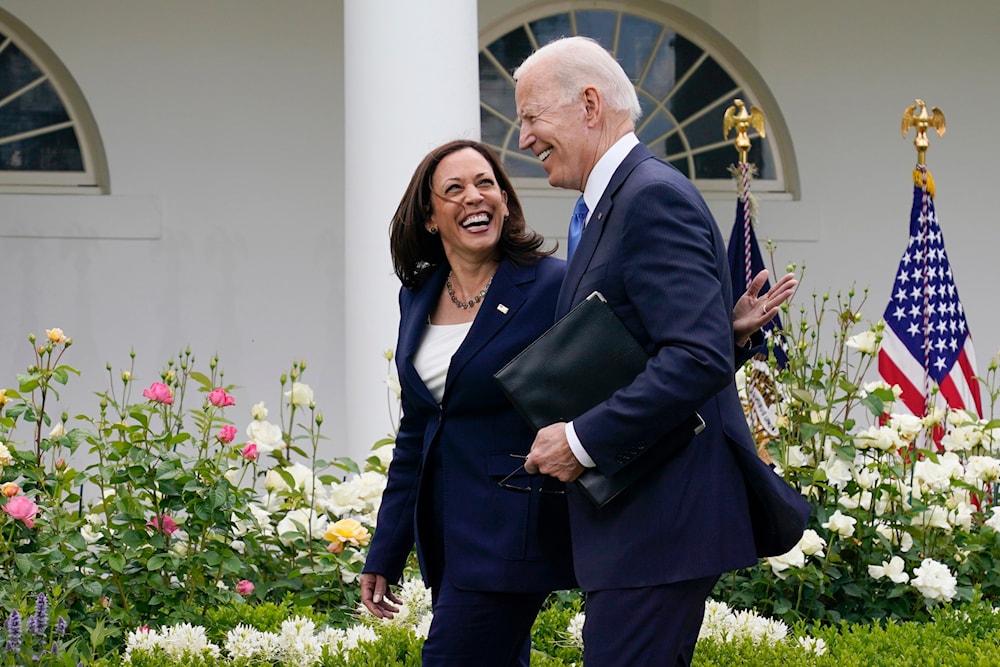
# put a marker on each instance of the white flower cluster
(177, 642)
(723, 624)
(414, 613)
(298, 644)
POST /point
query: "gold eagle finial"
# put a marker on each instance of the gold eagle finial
(739, 118)
(917, 116)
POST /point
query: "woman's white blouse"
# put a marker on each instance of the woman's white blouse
(433, 357)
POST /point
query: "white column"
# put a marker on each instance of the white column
(411, 82)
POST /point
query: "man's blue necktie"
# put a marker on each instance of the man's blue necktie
(576, 227)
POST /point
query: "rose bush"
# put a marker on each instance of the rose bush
(905, 507)
(175, 513)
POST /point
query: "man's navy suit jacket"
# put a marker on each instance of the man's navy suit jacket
(652, 248)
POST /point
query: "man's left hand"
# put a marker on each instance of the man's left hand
(550, 455)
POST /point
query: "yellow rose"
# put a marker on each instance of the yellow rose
(346, 531)
(56, 335)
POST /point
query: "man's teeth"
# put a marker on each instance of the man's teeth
(480, 219)
(544, 154)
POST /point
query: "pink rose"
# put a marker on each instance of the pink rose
(220, 399)
(227, 434)
(159, 393)
(245, 587)
(250, 452)
(22, 508)
(164, 523)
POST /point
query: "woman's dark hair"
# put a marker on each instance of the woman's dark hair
(416, 252)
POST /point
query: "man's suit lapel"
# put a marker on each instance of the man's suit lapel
(594, 230)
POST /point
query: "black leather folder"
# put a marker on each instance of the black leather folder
(579, 362)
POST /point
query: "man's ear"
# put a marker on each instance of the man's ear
(592, 103)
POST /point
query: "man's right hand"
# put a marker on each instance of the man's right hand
(376, 596)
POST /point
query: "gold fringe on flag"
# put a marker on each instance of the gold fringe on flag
(918, 181)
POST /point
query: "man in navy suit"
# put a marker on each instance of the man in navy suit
(649, 558)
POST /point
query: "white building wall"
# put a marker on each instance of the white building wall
(224, 123)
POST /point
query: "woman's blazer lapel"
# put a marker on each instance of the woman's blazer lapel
(498, 308)
(505, 297)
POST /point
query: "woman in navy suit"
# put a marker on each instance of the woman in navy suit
(492, 542)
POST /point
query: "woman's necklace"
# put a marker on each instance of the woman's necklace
(471, 302)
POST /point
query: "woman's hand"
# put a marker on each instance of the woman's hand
(376, 596)
(753, 310)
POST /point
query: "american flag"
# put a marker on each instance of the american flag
(926, 341)
(745, 262)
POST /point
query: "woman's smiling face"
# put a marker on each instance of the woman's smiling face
(468, 205)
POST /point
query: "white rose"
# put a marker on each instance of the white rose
(90, 533)
(265, 435)
(258, 411)
(841, 524)
(895, 569)
(300, 395)
(57, 431)
(882, 438)
(895, 536)
(302, 522)
(838, 472)
(934, 581)
(865, 342)
(5, 458)
(934, 517)
(811, 543)
(909, 426)
(797, 457)
(793, 558)
(962, 438)
(384, 454)
(994, 520)
(982, 470)
(959, 417)
(273, 481)
(392, 382)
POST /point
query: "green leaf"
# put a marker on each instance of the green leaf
(202, 379)
(875, 404)
(24, 562)
(348, 464)
(218, 496)
(232, 563)
(116, 562)
(155, 562)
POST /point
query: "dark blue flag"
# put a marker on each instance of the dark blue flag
(745, 261)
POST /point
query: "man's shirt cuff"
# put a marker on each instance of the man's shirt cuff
(576, 447)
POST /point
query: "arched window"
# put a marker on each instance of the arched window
(686, 74)
(49, 141)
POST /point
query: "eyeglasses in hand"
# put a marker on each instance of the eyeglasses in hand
(506, 482)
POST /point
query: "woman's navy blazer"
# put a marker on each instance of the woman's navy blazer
(492, 538)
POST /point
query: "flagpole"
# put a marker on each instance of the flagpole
(918, 117)
(737, 117)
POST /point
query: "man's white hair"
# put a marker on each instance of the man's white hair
(578, 62)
